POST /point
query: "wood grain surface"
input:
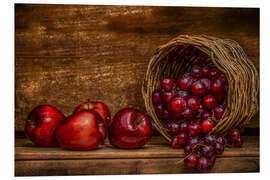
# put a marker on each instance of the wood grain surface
(157, 157)
(157, 147)
(128, 166)
(66, 54)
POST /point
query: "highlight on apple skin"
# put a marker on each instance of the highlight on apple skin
(130, 129)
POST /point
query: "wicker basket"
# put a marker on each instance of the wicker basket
(177, 56)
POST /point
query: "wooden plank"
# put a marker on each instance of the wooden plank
(156, 148)
(128, 166)
(155, 158)
(66, 54)
(155, 140)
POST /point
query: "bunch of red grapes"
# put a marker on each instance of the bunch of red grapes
(191, 108)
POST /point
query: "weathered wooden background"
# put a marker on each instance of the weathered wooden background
(65, 54)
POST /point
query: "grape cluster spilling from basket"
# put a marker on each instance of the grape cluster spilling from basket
(191, 108)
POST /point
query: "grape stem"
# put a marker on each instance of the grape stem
(193, 149)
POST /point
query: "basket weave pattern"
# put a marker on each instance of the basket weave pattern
(177, 56)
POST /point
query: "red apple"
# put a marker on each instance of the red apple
(99, 107)
(41, 124)
(130, 129)
(102, 130)
(81, 131)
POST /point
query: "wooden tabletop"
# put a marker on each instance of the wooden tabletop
(156, 157)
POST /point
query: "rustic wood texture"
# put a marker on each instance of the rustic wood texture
(128, 166)
(157, 157)
(156, 148)
(65, 54)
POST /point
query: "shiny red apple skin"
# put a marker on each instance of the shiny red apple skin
(41, 124)
(102, 128)
(99, 107)
(130, 129)
(80, 131)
